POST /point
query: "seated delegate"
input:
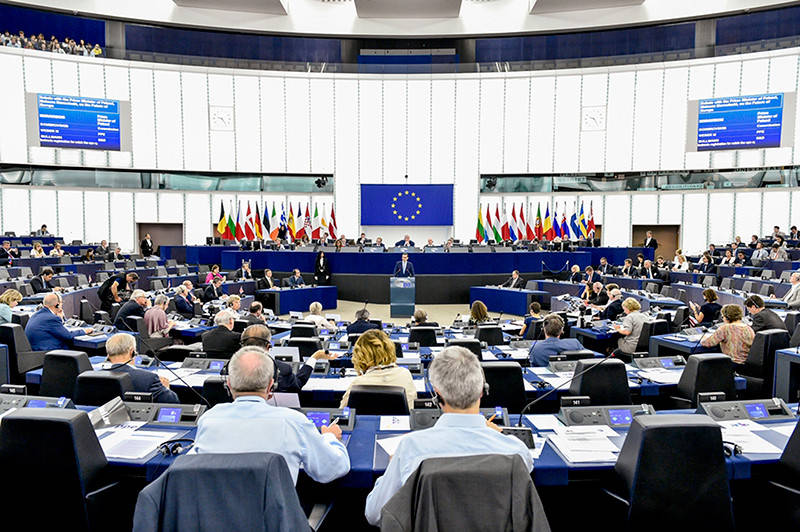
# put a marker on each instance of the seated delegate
(534, 314)
(458, 383)
(121, 350)
(553, 344)
(362, 323)
(734, 336)
(251, 425)
(708, 312)
(45, 329)
(631, 328)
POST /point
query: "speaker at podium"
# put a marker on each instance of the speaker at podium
(402, 293)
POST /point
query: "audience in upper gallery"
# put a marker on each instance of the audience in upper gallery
(728, 259)
(734, 336)
(794, 234)
(753, 242)
(8, 300)
(763, 318)
(760, 254)
(250, 424)
(776, 232)
(38, 251)
(741, 259)
(57, 251)
(38, 42)
(708, 312)
(375, 361)
(458, 381)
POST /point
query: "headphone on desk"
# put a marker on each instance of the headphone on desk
(731, 449)
(174, 447)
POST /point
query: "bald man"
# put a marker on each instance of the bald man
(45, 329)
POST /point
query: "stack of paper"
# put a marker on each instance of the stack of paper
(743, 433)
(663, 376)
(585, 443)
(544, 421)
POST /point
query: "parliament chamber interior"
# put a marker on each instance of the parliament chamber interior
(404, 266)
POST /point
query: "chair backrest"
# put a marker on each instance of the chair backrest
(100, 277)
(95, 388)
(25, 289)
(20, 357)
(437, 482)
(651, 287)
(747, 286)
(306, 346)
(606, 384)
(666, 290)
(790, 459)
(786, 275)
(491, 334)
(760, 361)
(767, 274)
(352, 338)
(650, 328)
(156, 284)
(172, 262)
(707, 372)
(60, 370)
(285, 281)
(425, 336)
(214, 390)
(674, 469)
(137, 325)
(683, 296)
(795, 340)
(81, 279)
(473, 344)
(378, 400)
(183, 270)
(58, 447)
(161, 271)
(791, 320)
(681, 314)
(709, 280)
(303, 331)
(726, 283)
(506, 387)
(534, 330)
(531, 285)
(203, 268)
(766, 289)
(109, 266)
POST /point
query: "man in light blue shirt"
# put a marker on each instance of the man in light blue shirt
(552, 344)
(457, 379)
(250, 425)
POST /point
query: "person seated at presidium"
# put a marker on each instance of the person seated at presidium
(134, 307)
(269, 281)
(322, 269)
(709, 311)
(553, 344)
(458, 383)
(375, 361)
(405, 243)
(403, 267)
(213, 274)
(631, 327)
(515, 281)
(763, 318)
(296, 279)
(45, 329)
(250, 424)
(734, 336)
(121, 351)
(362, 323)
(534, 314)
(8, 300)
(221, 341)
(155, 318)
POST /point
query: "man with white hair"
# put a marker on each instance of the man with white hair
(45, 330)
(121, 350)
(792, 297)
(221, 342)
(251, 425)
(155, 318)
(614, 307)
(458, 382)
(134, 307)
(183, 305)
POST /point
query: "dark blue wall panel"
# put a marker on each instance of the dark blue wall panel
(590, 44)
(215, 44)
(757, 26)
(32, 21)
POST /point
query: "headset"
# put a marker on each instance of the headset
(731, 449)
(174, 447)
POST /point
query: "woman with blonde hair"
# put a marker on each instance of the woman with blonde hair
(315, 316)
(631, 328)
(234, 302)
(38, 251)
(8, 300)
(375, 362)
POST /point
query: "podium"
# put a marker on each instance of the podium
(402, 292)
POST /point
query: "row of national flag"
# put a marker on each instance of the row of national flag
(501, 226)
(253, 225)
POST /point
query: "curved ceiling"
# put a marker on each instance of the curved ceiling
(404, 18)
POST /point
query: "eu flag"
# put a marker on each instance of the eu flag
(406, 204)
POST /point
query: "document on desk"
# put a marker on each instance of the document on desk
(544, 421)
(662, 376)
(580, 449)
(749, 441)
(115, 434)
(390, 444)
(395, 423)
(137, 444)
(180, 372)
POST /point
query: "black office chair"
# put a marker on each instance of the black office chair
(726, 283)
(666, 290)
(748, 286)
(791, 320)
(100, 277)
(303, 331)
(795, 340)
(59, 447)
(707, 372)
(767, 290)
(651, 287)
(114, 310)
(425, 336)
(784, 486)
(61, 369)
(21, 358)
(680, 318)
(576, 354)
(214, 390)
(673, 471)
(605, 385)
(683, 296)
(491, 334)
(709, 280)
(145, 341)
(759, 367)
(531, 285)
(156, 284)
(352, 338)
(240, 325)
(534, 330)
(378, 400)
(473, 344)
(649, 329)
(506, 387)
(767, 274)
(95, 388)
(306, 346)
(398, 349)
(285, 282)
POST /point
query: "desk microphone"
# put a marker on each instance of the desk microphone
(151, 352)
(575, 376)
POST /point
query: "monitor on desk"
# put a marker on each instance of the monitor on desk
(169, 415)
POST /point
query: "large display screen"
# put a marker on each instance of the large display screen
(78, 122)
(741, 122)
(406, 204)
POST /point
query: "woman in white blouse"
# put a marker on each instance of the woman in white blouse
(315, 316)
(728, 259)
(680, 264)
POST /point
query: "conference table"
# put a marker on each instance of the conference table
(515, 301)
(282, 300)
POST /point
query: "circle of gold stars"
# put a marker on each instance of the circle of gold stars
(417, 200)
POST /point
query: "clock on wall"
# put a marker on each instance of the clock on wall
(593, 118)
(220, 118)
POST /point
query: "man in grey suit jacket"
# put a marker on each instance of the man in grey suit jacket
(792, 297)
(763, 318)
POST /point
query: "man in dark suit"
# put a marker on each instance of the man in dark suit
(403, 268)
(45, 330)
(121, 350)
(515, 281)
(362, 323)
(112, 288)
(244, 272)
(649, 271)
(405, 243)
(362, 240)
(7, 253)
(132, 308)
(115, 255)
(649, 241)
(259, 335)
(103, 249)
(41, 283)
(146, 246)
(221, 342)
(296, 279)
(763, 318)
(628, 269)
(269, 281)
(614, 307)
(183, 306)
(605, 268)
(254, 316)
(213, 290)
(540, 352)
